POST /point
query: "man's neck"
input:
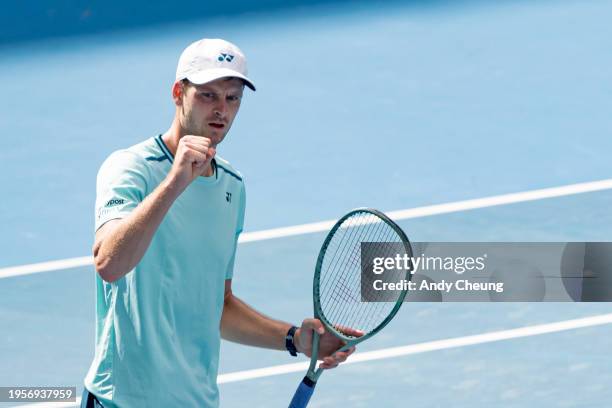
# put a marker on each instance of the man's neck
(171, 139)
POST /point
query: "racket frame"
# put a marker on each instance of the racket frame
(314, 373)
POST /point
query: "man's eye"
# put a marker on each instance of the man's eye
(233, 98)
(207, 95)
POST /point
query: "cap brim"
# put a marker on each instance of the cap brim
(203, 77)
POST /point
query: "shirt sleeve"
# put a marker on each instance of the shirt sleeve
(121, 185)
(239, 226)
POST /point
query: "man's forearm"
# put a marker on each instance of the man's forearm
(120, 250)
(242, 324)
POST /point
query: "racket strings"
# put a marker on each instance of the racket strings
(341, 253)
(340, 279)
(355, 313)
(344, 253)
(336, 257)
(379, 310)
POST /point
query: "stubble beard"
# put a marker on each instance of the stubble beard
(193, 126)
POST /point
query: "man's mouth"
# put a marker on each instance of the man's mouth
(216, 125)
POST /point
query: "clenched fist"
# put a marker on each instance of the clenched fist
(192, 159)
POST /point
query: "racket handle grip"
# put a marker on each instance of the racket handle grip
(303, 393)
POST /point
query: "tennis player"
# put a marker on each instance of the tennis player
(169, 212)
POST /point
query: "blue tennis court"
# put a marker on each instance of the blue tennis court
(397, 106)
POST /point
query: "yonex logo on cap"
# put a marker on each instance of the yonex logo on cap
(225, 57)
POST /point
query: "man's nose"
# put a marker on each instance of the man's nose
(220, 108)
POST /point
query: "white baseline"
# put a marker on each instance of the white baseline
(409, 213)
(418, 348)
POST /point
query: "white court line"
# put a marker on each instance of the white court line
(46, 266)
(428, 346)
(417, 212)
(418, 348)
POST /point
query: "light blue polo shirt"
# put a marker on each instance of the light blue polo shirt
(158, 327)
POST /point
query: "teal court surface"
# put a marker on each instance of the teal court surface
(400, 107)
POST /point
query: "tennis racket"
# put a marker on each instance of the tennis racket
(337, 289)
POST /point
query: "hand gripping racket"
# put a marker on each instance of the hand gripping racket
(337, 289)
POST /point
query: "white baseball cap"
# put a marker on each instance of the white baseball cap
(208, 59)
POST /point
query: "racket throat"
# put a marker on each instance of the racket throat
(309, 382)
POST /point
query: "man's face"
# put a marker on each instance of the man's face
(209, 110)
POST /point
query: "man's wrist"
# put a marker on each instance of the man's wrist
(290, 340)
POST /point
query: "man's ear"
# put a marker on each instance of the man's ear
(177, 92)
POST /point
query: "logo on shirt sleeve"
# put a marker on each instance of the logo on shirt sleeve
(108, 208)
(228, 197)
(113, 202)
